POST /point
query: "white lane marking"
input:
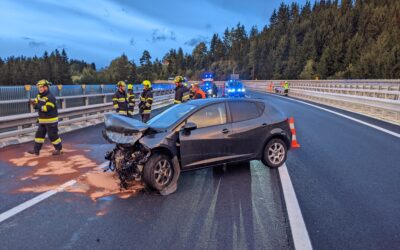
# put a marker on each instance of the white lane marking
(29, 203)
(339, 114)
(298, 228)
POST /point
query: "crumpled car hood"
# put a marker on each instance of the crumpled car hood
(123, 130)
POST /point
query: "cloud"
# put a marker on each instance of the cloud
(33, 43)
(196, 40)
(162, 35)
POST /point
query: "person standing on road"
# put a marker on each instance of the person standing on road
(146, 100)
(46, 104)
(131, 100)
(286, 88)
(120, 99)
(198, 93)
(214, 90)
(181, 92)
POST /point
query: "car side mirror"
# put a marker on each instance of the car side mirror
(190, 126)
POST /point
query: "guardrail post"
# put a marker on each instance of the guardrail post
(63, 101)
(28, 96)
(104, 96)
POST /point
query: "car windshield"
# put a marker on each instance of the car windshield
(170, 116)
(235, 85)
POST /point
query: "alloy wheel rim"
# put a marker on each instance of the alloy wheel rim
(276, 153)
(163, 172)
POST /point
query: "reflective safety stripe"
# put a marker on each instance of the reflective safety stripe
(149, 99)
(130, 112)
(50, 104)
(56, 141)
(146, 111)
(176, 101)
(39, 140)
(44, 108)
(121, 100)
(148, 105)
(116, 106)
(142, 99)
(42, 99)
(123, 112)
(115, 99)
(48, 120)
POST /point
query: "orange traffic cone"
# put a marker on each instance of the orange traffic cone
(294, 139)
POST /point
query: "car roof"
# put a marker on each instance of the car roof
(201, 102)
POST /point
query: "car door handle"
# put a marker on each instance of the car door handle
(225, 131)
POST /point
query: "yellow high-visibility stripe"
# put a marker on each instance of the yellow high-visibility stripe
(176, 101)
(56, 141)
(48, 120)
(122, 112)
(50, 104)
(148, 105)
(149, 99)
(39, 140)
(130, 112)
(115, 99)
(116, 106)
(44, 108)
(42, 99)
(146, 111)
(121, 100)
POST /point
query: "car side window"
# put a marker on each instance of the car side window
(209, 116)
(243, 110)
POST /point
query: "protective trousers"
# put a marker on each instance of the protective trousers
(52, 131)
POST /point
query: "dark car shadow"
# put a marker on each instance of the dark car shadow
(234, 206)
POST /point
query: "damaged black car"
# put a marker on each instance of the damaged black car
(197, 134)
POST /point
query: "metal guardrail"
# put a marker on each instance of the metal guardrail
(15, 125)
(376, 98)
(15, 99)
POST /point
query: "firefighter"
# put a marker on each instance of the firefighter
(146, 100)
(46, 105)
(120, 99)
(286, 88)
(214, 90)
(131, 100)
(181, 92)
(198, 92)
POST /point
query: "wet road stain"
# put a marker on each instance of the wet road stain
(46, 172)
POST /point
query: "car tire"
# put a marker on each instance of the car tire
(158, 172)
(275, 153)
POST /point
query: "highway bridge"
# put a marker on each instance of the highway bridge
(339, 190)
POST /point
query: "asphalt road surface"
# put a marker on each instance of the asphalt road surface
(345, 175)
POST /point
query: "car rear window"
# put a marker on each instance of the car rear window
(244, 110)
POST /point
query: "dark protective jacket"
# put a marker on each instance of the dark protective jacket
(181, 94)
(120, 101)
(146, 100)
(131, 102)
(46, 104)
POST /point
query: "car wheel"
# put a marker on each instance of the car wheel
(275, 153)
(158, 172)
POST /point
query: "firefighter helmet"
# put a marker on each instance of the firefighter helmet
(130, 87)
(178, 79)
(43, 83)
(121, 83)
(146, 83)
